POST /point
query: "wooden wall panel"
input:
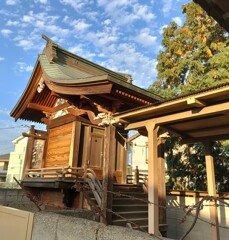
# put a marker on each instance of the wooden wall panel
(59, 143)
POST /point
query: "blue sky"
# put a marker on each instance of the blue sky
(123, 35)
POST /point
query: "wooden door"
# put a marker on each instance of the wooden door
(96, 151)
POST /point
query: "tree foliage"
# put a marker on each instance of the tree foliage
(194, 56)
(186, 166)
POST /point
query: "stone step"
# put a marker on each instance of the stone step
(127, 188)
(129, 207)
(129, 201)
(137, 221)
(131, 214)
(131, 194)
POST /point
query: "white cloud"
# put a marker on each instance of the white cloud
(25, 44)
(2, 58)
(161, 30)
(143, 12)
(50, 28)
(126, 58)
(42, 22)
(102, 39)
(12, 23)
(4, 111)
(80, 25)
(178, 20)
(126, 11)
(6, 32)
(12, 2)
(81, 51)
(41, 1)
(145, 39)
(76, 4)
(23, 67)
(167, 6)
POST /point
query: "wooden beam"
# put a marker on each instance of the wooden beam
(211, 189)
(185, 115)
(108, 171)
(195, 102)
(34, 136)
(60, 107)
(137, 125)
(169, 106)
(203, 139)
(39, 107)
(211, 131)
(153, 212)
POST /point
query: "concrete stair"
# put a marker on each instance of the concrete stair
(133, 209)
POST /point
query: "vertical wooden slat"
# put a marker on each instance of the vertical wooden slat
(211, 189)
(29, 151)
(86, 145)
(45, 149)
(108, 170)
(153, 213)
(75, 141)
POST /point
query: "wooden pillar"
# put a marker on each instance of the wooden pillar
(29, 151)
(153, 213)
(108, 171)
(161, 181)
(211, 189)
(121, 160)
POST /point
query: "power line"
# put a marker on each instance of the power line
(21, 126)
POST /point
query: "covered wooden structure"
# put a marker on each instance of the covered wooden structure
(198, 117)
(76, 99)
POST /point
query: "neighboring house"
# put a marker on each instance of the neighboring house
(16, 159)
(138, 153)
(4, 160)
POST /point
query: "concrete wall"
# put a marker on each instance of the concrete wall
(16, 198)
(202, 230)
(52, 226)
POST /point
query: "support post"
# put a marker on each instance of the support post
(108, 171)
(153, 213)
(29, 151)
(211, 189)
(161, 183)
(136, 175)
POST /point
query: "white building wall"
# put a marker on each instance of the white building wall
(139, 153)
(16, 161)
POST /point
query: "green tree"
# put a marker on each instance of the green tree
(194, 56)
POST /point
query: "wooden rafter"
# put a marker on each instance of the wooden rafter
(39, 107)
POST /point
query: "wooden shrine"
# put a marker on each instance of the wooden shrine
(75, 99)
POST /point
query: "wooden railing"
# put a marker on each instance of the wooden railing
(53, 172)
(91, 178)
(86, 174)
